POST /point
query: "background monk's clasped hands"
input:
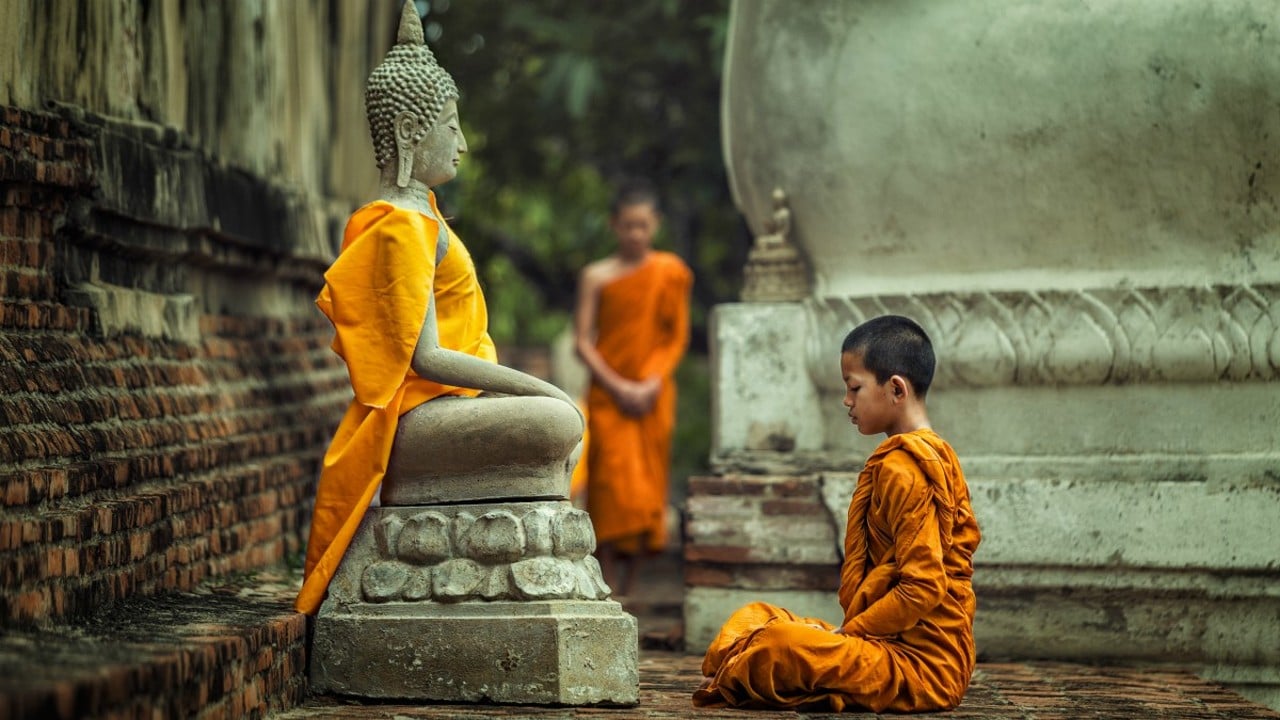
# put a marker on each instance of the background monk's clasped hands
(636, 397)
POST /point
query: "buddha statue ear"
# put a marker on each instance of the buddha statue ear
(406, 126)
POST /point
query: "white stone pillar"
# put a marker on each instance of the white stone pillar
(1081, 203)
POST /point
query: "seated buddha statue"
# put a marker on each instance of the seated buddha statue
(435, 418)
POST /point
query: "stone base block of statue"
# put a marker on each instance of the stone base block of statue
(495, 602)
(548, 652)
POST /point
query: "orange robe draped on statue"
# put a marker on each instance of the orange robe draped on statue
(642, 330)
(907, 593)
(376, 296)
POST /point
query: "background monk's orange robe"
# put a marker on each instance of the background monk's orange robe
(642, 330)
(578, 478)
(376, 296)
(907, 593)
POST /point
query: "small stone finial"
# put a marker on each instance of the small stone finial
(776, 271)
(410, 25)
(779, 224)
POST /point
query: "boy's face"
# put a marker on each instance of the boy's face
(873, 407)
(635, 225)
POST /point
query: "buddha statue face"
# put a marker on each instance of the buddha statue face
(406, 98)
(436, 156)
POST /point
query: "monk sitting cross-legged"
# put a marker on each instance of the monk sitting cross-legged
(906, 643)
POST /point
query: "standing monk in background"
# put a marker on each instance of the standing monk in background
(631, 329)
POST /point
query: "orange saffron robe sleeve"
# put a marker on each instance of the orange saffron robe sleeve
(642, 330)
(906, 644)
(376, 295)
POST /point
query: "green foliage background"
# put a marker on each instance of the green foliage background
(561, 100)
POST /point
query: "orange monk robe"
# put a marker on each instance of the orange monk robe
(578, 478)
(642, 330)
(376, 296)
(907, 595)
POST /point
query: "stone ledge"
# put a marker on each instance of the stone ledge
(119, 310)
(209, 208)
(224, 652)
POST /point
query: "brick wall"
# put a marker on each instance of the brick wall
(727, 517)
(148, 440)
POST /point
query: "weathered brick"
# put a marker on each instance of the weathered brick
(35, 254)
(717, 553)
(794, 487)
(52, 565)
(763, 577)
(139, 546)
(10, 222)
(707, 575)
(47, 484)
(32, 604)
(17, 491)
(726, 485)
(104, 519)
(802, 508)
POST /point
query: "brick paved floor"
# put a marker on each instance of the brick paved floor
(232, 650)
(1027, 691)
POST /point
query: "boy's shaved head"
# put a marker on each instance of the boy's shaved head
(635, 191)
(893, 345)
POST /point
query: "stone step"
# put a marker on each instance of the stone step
(232, 651)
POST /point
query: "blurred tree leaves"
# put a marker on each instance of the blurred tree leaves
(561, 100)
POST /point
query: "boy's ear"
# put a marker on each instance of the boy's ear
(900, 387)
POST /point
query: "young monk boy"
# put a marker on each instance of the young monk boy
(631, 329)
(906, 644)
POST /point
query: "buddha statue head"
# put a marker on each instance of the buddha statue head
(411, 103)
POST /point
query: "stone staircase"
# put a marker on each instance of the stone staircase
(225, 651)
